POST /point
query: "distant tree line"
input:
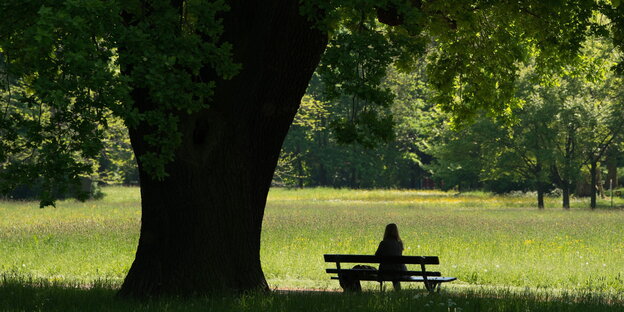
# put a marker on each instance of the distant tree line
(563, 135)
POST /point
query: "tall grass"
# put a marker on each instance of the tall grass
(492, 244)
(482, 240)
(78, 242)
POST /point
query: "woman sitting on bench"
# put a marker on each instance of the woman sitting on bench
(391, 245)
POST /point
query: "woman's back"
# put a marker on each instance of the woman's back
(390, 247)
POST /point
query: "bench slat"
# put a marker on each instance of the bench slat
(384, 272)
(411, 279)
(381, 259)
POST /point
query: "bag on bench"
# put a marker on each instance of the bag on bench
(350, 281)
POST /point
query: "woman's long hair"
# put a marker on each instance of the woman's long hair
(392, 232)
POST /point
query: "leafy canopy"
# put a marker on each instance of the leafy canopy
(68, 64)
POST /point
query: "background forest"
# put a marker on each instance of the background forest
(563, 135)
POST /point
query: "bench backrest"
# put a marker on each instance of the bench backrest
(381, 259)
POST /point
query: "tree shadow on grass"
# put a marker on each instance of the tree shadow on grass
(29, 295)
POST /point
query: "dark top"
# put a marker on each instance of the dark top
(391, 247)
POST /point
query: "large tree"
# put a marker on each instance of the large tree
(208, 90)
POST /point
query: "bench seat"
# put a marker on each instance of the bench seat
(431, 279)
(436, 279)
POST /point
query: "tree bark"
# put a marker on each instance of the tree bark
(566, 197)
(540, 184)
(201, 225)
(540, 198)
(563, 184)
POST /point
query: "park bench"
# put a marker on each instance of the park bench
(432, 280)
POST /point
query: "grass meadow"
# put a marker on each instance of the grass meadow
(506, 254)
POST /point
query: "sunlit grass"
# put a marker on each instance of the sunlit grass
(509, 243)
(431, 198)
(77, 242)
(489, 240)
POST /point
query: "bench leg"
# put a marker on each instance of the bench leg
(431, 286)
(428, 286)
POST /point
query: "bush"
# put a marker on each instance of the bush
(87, 189)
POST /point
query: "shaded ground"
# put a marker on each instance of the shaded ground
(21, 296)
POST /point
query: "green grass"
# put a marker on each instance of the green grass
(482, 240)
(497, 246)
(77, 242)
(25, 296)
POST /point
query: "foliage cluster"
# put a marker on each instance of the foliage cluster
(568, 127)
(562, 126)
(318, 156)
(68, 66)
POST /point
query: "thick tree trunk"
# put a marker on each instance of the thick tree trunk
(201, 225)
